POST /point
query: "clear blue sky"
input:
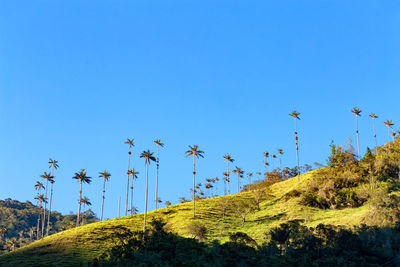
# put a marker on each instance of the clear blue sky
(79, 77)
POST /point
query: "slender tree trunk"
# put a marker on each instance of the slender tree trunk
(194, 181)
(49, 214)
(376, 143)
(79, 207)
(297, 150)
(145, 202)
(83, 213)
(44, 211)
(228, 181)
(225, 187)
(127, 183)
(102, 202)
(119, 207)
(358, 139)
(238, 183)
(132, 195)
(280, 162)
(157, 177)
(38, 222)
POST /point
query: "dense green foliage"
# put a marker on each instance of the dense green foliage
(19, 221)
(290, 244)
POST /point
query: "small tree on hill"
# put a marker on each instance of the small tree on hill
(244, 207)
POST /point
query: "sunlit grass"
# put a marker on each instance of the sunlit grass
(81, 245)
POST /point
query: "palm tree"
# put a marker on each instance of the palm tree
(389, 124)
(357, 112)
(134, 174)
(273, 161)
(266, 155)
(238, 171)
(48, 177)
(131, 144)
(105, 175)
(38, 186)
(249, 175)
(373, 116)
(85, 201)
(148, 157)
(296, 117)
(82, 178)
(195, 153)
(54, 166)
(280, 152)
(158, 145)
(228, 158)
(225, 179)
(41, 199)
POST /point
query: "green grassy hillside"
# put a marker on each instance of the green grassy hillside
(83, 244)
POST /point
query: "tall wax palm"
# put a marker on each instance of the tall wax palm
(148, 158)
(131, 144)
(266, 155)
(195, 153)
(85, 201)
(41, 199)
(389, 124)
(357, 112)
(225, 179)
(158, 145)
(296, 117)
(373, 116)
(48, 177)
(105, 175)
(134, 176)
(238, 171)
(280, 152)
(39, 186)
(273, 161)
(53, 165)
(228, 158)
(249, 175)
(82, 178)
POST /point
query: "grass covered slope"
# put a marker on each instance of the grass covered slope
(83, 244)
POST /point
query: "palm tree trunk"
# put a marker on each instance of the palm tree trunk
(127, 183)
(376, 143)
(48, 217)
(119, 206)
(280, 162)
(358, 139)
(44, 211)
(229, 187)
(194, 181)
(297, 150)
(157, 177)
(133, 176)
(102, 202)
(79, 207)
(225, 187)
(145, 202)
(38, 221)
(238, 183)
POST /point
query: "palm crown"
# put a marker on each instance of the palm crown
(280, 151)
(194, 151)
(159, 143)
(105, 175)
(82, 177)
(86, 201)
(148, 156)
(41, 198)
(356, 111)
(133, 173)
(266, 154)
(388, 123)
(295, 115)
(238, 171)
(228, 158)
(39, 186)
(47, 176)
(130, 142)
(53, 163)
(372, 115)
